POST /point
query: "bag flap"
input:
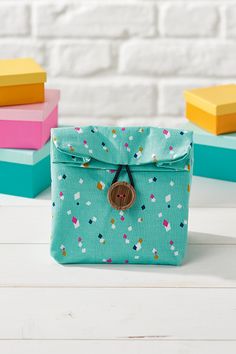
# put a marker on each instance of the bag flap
(115, 145)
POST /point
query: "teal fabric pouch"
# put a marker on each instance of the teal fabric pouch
(120, 195)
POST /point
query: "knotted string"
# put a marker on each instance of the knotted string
(115, 179)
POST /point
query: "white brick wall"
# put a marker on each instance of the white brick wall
(81, 58)
(199, 20)
(95, 20)
(105, 98)
(14, 19)
(123, 59)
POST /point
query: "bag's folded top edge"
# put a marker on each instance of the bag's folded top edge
(116, 145)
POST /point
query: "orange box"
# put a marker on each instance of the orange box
(212, 108)
(21, 82)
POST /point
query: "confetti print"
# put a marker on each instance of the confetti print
(101, 239)
(155, 253)
(172, 248)
(85, 144)
(171, 150)
(154, 229)
(94, 130)
(154, 158)
(85, 165)
(113, 226)
(121, 213)
(71, 148)
(152, 198)
(55, 141)
(137, 247)
(151, 180)
(101, 185)
(183, 223)
(79, 130)
(166, 225)
(104, 147)
(80, 245)
(77, 196)
(125, 237)
(75, 222)
(61, 177)
(92, 220)
(187, 168)
(168, 198)
(126, 145)
(114, 134)
(63, 250)
(138, 154)
(166, 133)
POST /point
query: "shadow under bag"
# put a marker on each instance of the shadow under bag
(120, 195)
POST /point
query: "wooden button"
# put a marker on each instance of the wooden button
(121, 195)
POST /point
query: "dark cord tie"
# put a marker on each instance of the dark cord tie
(121, 195)
(115, 179)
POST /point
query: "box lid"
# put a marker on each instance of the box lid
(217, 100)
(200, 136)
(32, 112)
(134, 146)
(21, 72)
(23, 156)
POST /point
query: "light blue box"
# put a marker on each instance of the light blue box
(25, 173)
(214, 156)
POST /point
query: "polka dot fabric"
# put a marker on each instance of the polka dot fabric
(85, 227)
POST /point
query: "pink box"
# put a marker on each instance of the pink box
(28, 126)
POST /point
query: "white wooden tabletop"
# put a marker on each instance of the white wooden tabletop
(49, 308)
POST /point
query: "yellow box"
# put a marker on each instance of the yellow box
(21, 82)
(212, 108)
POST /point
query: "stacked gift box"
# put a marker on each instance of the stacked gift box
(212, 115)
(27, 113)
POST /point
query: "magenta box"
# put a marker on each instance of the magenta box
(28, 126)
